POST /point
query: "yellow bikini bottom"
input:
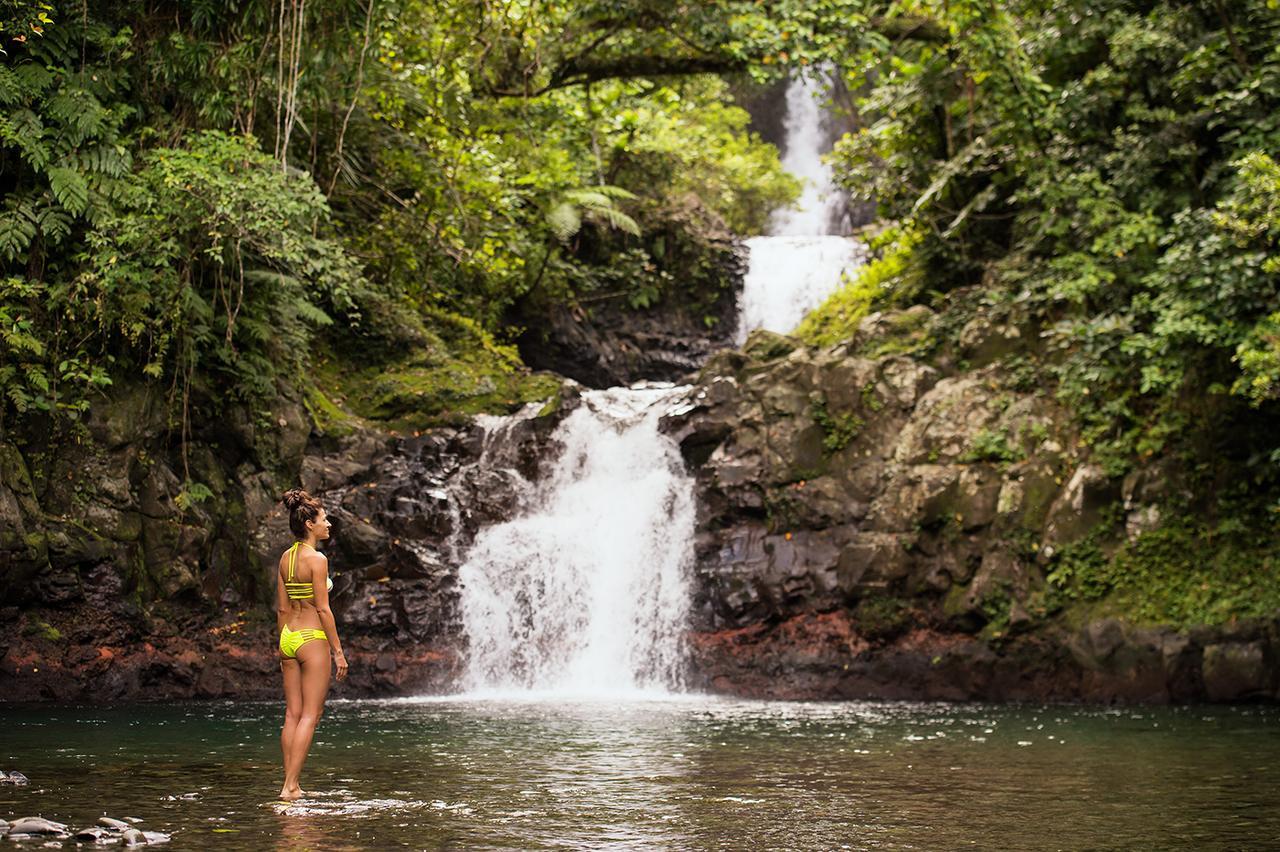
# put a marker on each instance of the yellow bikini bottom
(292, 640)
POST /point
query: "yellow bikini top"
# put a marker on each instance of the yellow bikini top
(301, 591)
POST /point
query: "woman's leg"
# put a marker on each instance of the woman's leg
(292, 675)
(316, 670)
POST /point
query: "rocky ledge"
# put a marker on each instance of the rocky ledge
(873, 526)
(869, 526)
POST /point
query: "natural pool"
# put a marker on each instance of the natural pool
(687, 773)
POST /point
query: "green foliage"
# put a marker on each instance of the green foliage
(1190, 571)
(208, 269)
(991, 445)
(873, 285)
(996, 607)
(882, 617)
(838, 429)
(43, 629)
(459, 372)
(596, 204)
(219, 196)
(1101, 169)
(192, 494)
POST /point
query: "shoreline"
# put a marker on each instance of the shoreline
(809, 657)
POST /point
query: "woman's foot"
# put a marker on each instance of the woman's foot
(290, 794)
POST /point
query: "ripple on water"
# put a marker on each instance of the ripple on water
(689, 774)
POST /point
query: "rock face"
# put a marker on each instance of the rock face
(868, 527)
(875, 527)
(606, 340)
(125, 593)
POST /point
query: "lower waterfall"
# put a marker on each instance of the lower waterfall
(585, 590)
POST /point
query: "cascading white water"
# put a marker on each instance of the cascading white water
(790, 272)
(585, 592)
(802, 156)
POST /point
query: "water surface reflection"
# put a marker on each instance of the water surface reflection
(675, 773)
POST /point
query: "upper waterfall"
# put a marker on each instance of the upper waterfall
(791, 271)
(802, 153)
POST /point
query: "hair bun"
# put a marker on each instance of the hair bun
(294, 498)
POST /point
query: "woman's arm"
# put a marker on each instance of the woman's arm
(319, 576)
(282, 603)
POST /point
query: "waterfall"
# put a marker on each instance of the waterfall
(791, 271)
(585, 590)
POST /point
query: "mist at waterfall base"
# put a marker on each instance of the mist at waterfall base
(585, 591)
(802, 261)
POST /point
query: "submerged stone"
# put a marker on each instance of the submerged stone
(36, 825)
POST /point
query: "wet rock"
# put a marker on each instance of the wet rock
(93, 834)
(946, 420)
(1001, 582)
(36, 825)
(607, 342)
(113, 824)
(357, 538)
(984, 339)
(134, 837)
(15, 778)
(1234, 671)
(873, 563)
(1078, 509)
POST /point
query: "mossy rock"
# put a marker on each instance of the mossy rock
(422, 390)
(765, 345)
(327, 417)
(880, 617)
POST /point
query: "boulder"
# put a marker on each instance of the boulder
(1078, 509)
(1235, 671)
(36, 825)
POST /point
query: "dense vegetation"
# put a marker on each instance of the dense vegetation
(1100, 175)
(192, 192)
(231, 201)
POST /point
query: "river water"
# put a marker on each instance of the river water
(679, 773)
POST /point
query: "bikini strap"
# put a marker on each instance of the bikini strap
(293, 559)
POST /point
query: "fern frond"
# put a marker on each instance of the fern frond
(565, 221)
(54, 223)
(308, 312)
(69, 188)
(588, 198)
(615, 192)
(25, 130)
(109, 160)
(17, 230)
(33, 78)
(617, 220)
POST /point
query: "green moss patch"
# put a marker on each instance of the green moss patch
(1188, 572)
(871, 286)
(457, 373)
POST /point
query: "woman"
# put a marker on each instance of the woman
(304, 621)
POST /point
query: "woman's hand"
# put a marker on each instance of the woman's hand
(340, 659)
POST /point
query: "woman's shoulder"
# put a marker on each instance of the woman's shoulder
(312, 557)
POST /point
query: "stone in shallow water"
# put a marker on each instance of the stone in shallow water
(113, 824)
(134, 837)
(14, 778)
(36, 825)
(92, 834)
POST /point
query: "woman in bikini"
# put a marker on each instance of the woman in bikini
(307, 633)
